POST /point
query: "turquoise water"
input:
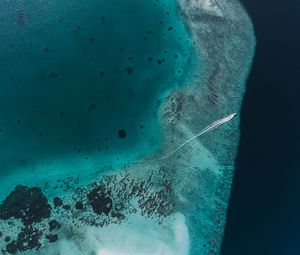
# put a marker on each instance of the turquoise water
(86, 78)
(86, 98)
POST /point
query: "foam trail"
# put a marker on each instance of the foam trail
(207, 129)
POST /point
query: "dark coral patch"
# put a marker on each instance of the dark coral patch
(28, 239)
(122, 133)
(57, 202)
(12, 248)
(91, 107)
(100, 200)
(52, 238)
(79, 205)
(101, 73)
(66, 207)
(28, 204)
(117, 215)
(129, 69)
(53, 224)
(91, 39)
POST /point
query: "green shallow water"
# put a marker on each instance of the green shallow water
(73, 74)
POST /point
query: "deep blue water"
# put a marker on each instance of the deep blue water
(264, 210)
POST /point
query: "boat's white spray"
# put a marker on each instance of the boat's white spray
(207, 129)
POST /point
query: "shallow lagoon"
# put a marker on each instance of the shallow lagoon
(75, 75)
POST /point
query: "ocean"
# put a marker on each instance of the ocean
(263, 216)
